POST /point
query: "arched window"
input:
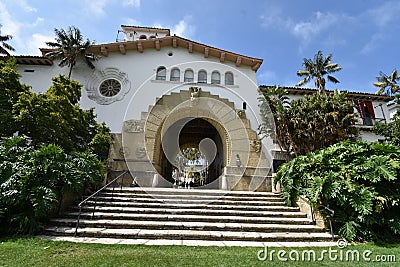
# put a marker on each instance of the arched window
(152, 37)
(143, 37)
(161, 74)
(202, 77)
(229, 78)
(188, 76)
(175, 75)
(215, 77)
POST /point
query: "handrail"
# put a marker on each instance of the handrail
(80, 205)
(329, 210)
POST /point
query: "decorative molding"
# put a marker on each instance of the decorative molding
(222, 57)
(122, 49)
(255, 145)
(238, 61)
(241, 113)
(104, 51)
(133, 126)
(98, 77)
(141, 152)
(157, 43)
(124, 152)
(206, 52)
(190, 47)
(194, 94)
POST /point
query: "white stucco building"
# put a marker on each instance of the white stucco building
(160, 93)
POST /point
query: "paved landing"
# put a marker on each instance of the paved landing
(168, 242)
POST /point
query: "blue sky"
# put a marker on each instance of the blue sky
(362, 35)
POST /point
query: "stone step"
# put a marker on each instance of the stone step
(187, 217)
(194, 200)
(181, 211)
(171, 225)
(188, 234)
(205, 206)
(189, 242)
(193, 192)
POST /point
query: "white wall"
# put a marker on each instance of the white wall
(140, 69)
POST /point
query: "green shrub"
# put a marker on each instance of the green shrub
(359, 181)
(33, 182)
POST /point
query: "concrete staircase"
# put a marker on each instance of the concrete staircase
(189, 215)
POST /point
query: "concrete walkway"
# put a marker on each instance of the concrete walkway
(164, 242)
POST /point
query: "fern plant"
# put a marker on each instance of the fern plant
(360, 181)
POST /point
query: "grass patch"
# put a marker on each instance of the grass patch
(31, 251)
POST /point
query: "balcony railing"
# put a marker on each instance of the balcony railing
(367, 121)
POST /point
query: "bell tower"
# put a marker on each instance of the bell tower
(134, 33)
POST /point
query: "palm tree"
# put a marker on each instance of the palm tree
(317, 69)
(3, 45)
(387, 84)
(70, 47)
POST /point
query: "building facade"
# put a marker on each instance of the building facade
(160, 94)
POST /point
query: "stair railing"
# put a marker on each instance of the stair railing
(95, 196)
(330, 211)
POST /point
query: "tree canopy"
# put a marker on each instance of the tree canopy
(4, 46)
(310, 123)
(10, 90)
(70, 47)
(387, 83)
(53, 117)
(316, 69)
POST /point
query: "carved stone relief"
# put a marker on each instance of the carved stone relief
(194, 94)
(107, 86)
(241, 113)
(133, 126)
(255, 145)
(141, 152)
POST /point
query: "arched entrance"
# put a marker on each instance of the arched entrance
(205, 168)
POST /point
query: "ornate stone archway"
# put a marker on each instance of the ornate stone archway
(142, 139)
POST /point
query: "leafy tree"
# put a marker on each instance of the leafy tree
(4, 47)
(34, 180)
(55, 117)
(70, 47)
(10, 90)
(316, 69)
(359, 181)
(310, 123)
(390, 130)
(387, 84)
(273, 104)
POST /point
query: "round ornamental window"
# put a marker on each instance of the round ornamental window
(110, 87)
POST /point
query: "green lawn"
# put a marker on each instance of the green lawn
(36, 252)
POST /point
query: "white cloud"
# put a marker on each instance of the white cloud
(134, 3)
(305, 30)
(37, 41)
(96, 7)
(386, 20)
(321, 22)
(274, 19)
(375, 41)
(22, 42)
(25, 6)
(385, 14)
(133, 22)
(184, 28)
(9, 25)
